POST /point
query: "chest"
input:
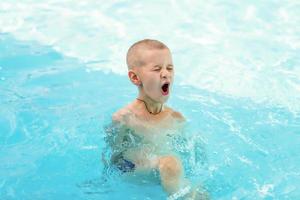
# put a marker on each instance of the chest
(155, 131)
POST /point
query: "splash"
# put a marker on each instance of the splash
(251, 51)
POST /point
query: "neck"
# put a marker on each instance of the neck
(151, 106)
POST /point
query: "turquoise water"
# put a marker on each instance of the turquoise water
(62, 75)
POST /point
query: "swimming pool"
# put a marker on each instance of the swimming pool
(62, 75)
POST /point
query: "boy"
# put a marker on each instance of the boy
(146, 125)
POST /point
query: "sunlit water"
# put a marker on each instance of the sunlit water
(62, 75)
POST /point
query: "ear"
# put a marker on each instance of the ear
(134, 78)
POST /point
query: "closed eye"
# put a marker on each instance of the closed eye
(170, 67)
(157, 68)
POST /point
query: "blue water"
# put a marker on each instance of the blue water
(62, 77)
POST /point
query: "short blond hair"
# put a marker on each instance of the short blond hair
(133, 58)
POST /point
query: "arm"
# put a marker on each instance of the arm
(115, 132)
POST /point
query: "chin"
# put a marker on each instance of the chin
(164, 99)
(161, 98)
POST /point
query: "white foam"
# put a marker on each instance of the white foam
(265, 190)
(180, 193)
(248, 51)
(89, 147)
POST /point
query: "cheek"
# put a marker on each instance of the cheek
(151, 85)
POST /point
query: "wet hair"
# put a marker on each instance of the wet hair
(133, 58)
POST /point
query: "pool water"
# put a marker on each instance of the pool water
(59, 87)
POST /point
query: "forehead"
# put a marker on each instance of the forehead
(155, 56)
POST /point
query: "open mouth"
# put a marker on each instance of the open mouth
(165, 89)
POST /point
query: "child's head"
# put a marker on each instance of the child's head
(150, 67)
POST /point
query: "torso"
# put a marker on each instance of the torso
(154, 132)
(148, 126)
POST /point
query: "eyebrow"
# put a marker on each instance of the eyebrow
(169, 65)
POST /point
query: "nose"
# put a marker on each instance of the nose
(165, 74)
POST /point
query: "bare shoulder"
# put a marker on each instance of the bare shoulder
(121, 115)
(177, 115)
